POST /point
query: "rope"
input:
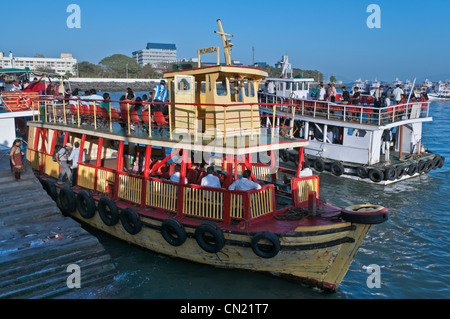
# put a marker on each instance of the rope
(295, 213)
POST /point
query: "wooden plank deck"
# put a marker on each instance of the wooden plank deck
(37, 244)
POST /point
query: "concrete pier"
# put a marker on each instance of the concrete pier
(40, 249)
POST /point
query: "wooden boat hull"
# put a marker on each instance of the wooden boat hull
(317, 256)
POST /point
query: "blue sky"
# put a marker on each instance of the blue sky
(329, 36)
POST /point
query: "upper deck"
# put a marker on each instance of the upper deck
(122, 122)
(363, 115)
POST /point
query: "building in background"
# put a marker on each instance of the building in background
(63, 65)
(156, 53)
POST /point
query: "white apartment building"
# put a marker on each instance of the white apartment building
(65, 63)
(156, 53)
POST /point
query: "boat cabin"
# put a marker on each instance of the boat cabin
(297, 88)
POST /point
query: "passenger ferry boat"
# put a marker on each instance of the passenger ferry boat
(282, 228)
(347, 140)
(442, 93)
(16, 106)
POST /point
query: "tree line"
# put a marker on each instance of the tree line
(122, 66)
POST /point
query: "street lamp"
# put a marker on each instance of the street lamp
(126, 67)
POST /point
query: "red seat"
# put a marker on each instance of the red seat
(73, 108)
(134, 116)
(159, 118)
(115, 114)
(145, 117)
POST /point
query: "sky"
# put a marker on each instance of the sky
(330, 36)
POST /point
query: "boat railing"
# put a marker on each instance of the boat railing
(364, 113)
(239, 119)
(302, 186)
(217, 204)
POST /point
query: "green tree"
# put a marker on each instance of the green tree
(119, 66)
(333, 79)
(89, 70)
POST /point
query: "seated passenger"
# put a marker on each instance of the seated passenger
(176, 176)
(210, 180)
(244, 184)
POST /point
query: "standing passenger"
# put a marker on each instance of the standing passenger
(16, 158)
(62, 158)
(74, 156)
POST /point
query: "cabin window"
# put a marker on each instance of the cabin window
(250, 89)
(288, 85)
(221, 88)
(184, 85)
(209, 83)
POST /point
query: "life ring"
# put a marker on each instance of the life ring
(401, 170)
(412, 169)
(284, 155)
(365, 214)
(108, 211)
(421, 166)
(210, 238)
(173, 232)
(50, 188)
(319, 165)
(27, 102)
(131, 221)
(291, 96)
(85, 204)
(270, 248)
(337, 168)
(376, 175)
(67, 200)
(390, 173)
(362, 172)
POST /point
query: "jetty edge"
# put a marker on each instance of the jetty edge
(38, 245)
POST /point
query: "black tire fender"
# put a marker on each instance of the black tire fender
(67, 200)
(265, 250)
(376, 175)
(50, 188)
(85, 204)
(108, 211)
(131, 221)
(319, 165)
(173, 232)
(401, 170)
(337, 168)
(412, 169)
(210, 238)
(362, 172)
(390, 173)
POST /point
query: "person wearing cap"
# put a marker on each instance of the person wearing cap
(160, 94)
(62, 158)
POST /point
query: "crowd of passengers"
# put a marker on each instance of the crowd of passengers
(198, 174)
(139, 104)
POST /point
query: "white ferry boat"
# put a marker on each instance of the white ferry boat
(442, 93)
(348, 141)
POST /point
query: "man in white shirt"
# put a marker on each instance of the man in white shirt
(176, 176)
(244, 184)
(74, 156)
(321, 93)
(398, 92)
(210, 180)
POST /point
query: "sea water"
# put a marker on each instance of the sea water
(411, 249)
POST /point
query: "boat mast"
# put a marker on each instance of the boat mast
(226, 43)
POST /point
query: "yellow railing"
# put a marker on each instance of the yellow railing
(203, 203)
(86, 176)
(302, 186)
(130, 188)
(104, 178)
(262, 202)
(237, 206)
(162, 195)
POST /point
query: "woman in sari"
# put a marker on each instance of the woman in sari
(16, 157)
